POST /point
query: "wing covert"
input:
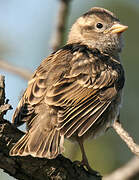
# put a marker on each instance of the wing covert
(83, 94)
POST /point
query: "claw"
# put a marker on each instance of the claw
(86, 167)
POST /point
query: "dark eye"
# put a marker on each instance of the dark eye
(99, 25)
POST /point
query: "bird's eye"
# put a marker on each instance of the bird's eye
(99, 25)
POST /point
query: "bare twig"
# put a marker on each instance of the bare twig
(23, 73)
(61, 24)
(2, 91)
(4, 108)
(126, 172)
(126, 138)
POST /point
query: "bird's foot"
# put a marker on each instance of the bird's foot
(87, 167)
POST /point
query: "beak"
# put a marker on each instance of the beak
(116, 28)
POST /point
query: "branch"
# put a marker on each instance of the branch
(131, 169)
(24, 168)
(23, 73)
(126, 138)
(4, 106)
(61, 24)
(128, 171)
(2, 90)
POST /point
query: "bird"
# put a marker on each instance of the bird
(76, 92)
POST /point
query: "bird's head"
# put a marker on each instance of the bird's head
(98, 28)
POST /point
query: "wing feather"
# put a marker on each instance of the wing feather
(85, 114)
(84, 120)
(73, 82)
(91, 121)
(82, 100)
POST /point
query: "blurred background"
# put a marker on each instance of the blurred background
(26, 33)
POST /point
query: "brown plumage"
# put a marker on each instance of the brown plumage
(76, 91)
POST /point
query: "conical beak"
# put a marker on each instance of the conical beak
(116, 28)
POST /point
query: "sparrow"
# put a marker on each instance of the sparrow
(76, 92)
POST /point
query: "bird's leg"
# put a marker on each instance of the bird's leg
(84, 161)
(84, 157)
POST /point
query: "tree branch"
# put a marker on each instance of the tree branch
(126, 172)
(126, 138)
(61, 24)
(23, 73)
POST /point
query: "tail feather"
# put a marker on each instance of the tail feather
(42, 139)
(19, 146)
(38, 145)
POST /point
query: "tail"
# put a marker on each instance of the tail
(42, 139)
(37, 144)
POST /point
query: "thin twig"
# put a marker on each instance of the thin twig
(23, 73)
(126, 138)
(61, 24)
(2, 90)
(125, 172)
(5, 107)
